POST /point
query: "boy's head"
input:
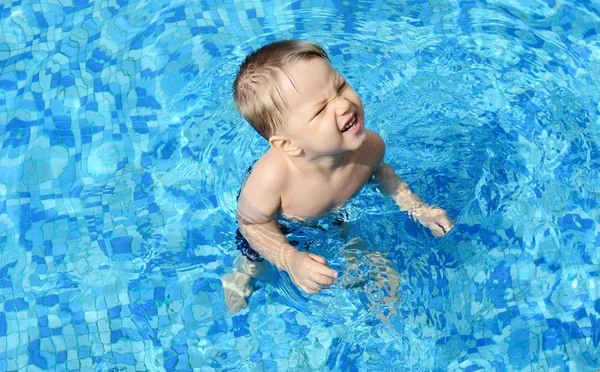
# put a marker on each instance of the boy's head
(257, 92)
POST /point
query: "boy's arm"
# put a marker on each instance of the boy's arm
(434, 218)
(390, 184)
(258, 203)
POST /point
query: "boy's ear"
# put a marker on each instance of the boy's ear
(285, 145)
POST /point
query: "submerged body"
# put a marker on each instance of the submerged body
(319, 158)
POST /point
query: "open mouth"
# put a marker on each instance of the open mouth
(350, 124)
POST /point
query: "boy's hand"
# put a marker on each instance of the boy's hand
(435, 219)
(309, 271)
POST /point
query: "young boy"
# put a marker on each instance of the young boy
(321, 154)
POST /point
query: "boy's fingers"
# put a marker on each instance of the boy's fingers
(319, 259)
(312, 289)
(445, 224)
(437, 231)
(441, 229)
(324, 270)
(324, 280)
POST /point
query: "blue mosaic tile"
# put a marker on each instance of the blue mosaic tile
(121, 157)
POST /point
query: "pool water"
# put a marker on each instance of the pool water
(121, 156)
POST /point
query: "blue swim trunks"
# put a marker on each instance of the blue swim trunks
(244, 247)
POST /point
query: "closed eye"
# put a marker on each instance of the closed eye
(320, 111)
(343, 85)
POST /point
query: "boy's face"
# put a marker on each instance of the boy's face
(325, 115)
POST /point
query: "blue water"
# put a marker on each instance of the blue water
(121, 156)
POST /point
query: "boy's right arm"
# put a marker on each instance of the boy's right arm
(258, 203)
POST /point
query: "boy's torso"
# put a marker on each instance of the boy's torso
(307, 196)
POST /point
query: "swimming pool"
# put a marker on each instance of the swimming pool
(122, 156)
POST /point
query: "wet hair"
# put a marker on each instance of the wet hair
(257, 92)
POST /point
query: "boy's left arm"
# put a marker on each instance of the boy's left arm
(432, 217)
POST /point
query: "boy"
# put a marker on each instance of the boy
(321, 154)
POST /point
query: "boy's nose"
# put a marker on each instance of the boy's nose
(342, 106)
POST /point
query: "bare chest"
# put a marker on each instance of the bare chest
(312, 197)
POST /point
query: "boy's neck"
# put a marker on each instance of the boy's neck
(322, 165)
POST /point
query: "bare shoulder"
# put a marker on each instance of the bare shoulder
(261, 193)
(270, 171)
(373, 150)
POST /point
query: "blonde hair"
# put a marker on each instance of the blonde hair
(256, 91)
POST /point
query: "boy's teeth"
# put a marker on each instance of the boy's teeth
(350, 125)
